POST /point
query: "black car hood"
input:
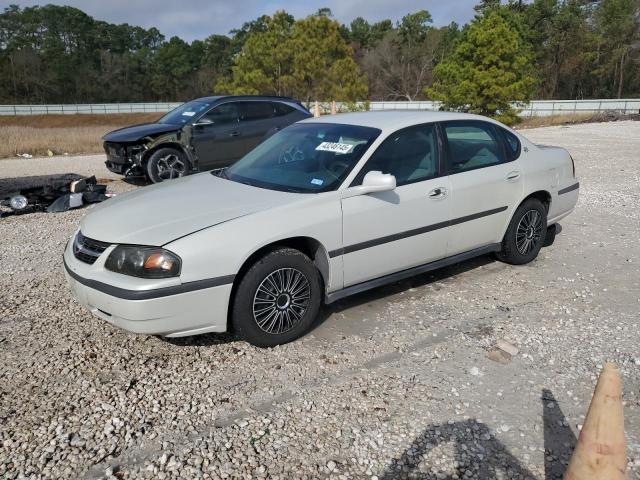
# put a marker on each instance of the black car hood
(137, 132)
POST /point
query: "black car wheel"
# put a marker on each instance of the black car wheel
(277, 299)
(526, 233)
(166, 164)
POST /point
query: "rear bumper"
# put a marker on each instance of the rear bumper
(564, 202)
(189, 313)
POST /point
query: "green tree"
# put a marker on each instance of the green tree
(172, 66)
(413, 28)
(307, 59)
(400, 66)
(618, 23)
(563, 43)
(264, 63)
(488, 70)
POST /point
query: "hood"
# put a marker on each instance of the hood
(137, 132)
(157, 214)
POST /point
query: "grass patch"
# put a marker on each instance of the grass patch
(60, 134)
(536, 122)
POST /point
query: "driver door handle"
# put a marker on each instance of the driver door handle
(235, 133)
(439, 192)
(513, 175)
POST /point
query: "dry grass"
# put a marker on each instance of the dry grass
(82, 133)
(78, 120)
(60, 134)
(535, 122)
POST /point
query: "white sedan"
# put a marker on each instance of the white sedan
(326, 208)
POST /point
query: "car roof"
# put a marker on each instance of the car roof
(243, 97)
(394, 119)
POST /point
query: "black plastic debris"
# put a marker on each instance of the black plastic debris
(56, 193)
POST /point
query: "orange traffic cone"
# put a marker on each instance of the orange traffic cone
(600, 453)
(333, 107)
(316, 110)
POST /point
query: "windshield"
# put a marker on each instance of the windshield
(184, 113)
(304, 158)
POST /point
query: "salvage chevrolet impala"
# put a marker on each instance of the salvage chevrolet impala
(326, 208)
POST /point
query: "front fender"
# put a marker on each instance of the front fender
(178, 140)
(221, 250)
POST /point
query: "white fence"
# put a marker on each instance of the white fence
(87, 108)
(536, 108)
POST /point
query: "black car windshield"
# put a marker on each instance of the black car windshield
(184, 113)
(304, 158)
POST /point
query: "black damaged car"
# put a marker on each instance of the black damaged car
(203, 134)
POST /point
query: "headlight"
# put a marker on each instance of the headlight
(144, 262)
(19, 202)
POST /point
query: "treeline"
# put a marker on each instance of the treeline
(519, 50)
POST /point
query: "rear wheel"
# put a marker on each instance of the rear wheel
(166, 164)
(277, 299)
(526, 233)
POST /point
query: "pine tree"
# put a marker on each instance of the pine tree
(488, 70)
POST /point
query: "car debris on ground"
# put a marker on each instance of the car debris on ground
(51, 194)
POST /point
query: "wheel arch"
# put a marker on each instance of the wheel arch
(307, 245)
(543, 195)
(166, 144)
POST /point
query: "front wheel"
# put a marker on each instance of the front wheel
(278, 299)
(526, 233)
(166, 164)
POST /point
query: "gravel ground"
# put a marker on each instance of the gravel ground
(401, 382)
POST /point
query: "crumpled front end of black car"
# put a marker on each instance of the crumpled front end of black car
(124, 158)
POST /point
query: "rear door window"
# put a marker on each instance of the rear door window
(472, 145)
(253, 111)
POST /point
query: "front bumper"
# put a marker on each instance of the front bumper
(123, 159)
(189, 313)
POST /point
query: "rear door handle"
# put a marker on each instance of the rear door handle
(438, 192)
(234, 134)
(513, 175)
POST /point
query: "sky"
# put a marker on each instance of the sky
(197, 19)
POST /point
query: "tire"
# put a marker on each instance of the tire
(278, 299)
(550, 237)
(165, 164)
(526, 233)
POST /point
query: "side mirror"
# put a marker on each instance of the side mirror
(373, 182)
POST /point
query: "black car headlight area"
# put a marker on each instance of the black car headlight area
(143, 262)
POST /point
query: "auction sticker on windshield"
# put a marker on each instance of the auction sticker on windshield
(334, 147)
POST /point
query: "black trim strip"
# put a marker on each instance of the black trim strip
(149, 294)
(410, 233)
(573, 187)
(395, 277)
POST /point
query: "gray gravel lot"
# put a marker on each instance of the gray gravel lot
(400, 382)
